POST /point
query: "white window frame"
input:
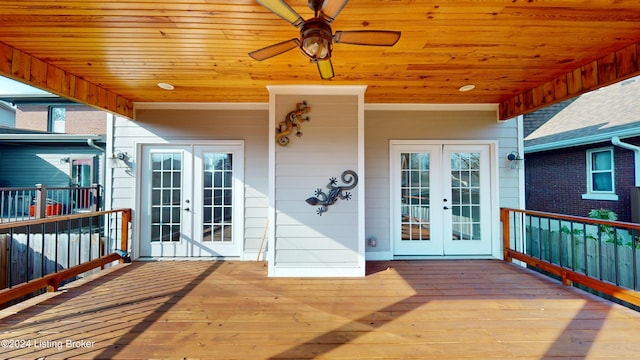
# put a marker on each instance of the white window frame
(600, 195)
(57, 126)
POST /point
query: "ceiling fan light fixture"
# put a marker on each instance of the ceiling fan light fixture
(316, 40)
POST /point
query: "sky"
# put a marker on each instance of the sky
(10, 87)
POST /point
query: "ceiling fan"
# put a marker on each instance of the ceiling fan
(316, 38)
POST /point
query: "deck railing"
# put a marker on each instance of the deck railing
(598, 254)
(23, 203)
(43, 253)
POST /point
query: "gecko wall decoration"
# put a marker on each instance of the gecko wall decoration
(293, 119)
(349, 177)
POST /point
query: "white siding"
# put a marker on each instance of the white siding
(158, 126)
(383, 126)
(328, 146)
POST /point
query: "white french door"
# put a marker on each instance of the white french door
(441, 199)
(191, 200)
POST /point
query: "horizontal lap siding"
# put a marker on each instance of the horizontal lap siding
(383, 126)
(327, 147)
(28, 165)
(157, 126)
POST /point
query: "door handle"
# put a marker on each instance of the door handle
(186, 209)
(446, 208)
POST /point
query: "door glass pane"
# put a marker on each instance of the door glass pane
(414, 191)
(465, 195)
(166, 194)
(217, 197)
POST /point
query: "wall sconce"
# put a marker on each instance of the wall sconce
(123, 156)
(515, 159)
(65, 160)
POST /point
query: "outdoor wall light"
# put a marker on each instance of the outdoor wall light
(515, 159)
(121, 156)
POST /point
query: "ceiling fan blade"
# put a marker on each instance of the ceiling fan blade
(325, 68)
(282, 9)
(367, 37)
(275, 49)
(332, 8)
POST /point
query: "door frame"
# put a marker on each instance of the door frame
(137, 189)
(494, 223)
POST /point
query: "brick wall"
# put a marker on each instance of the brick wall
(555, 181)
(79, 119)
(32, 117)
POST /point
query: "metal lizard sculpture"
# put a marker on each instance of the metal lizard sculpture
(292, 120)
(349, 177)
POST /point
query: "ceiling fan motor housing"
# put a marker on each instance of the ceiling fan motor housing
(316, 40)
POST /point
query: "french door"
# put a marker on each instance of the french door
(191, 200)
(441, 199)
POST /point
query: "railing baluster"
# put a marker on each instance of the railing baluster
(600, 267)
(80, 241)
(548, 240)
(57, 237)
(539, 237)
(514, 230)
(42, 269)
(69, 243)
(28, 263)
(634, 258)
(585, 252)
(560, 248)
(90, 239)
(573, 245)
(10, 259)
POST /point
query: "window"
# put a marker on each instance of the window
(600, 175)
(57, 115)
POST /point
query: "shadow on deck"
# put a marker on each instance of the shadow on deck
(401, 309)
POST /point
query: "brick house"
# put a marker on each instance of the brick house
(583, 153)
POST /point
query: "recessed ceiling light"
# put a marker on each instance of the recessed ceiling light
(165, 86)
(468, 87)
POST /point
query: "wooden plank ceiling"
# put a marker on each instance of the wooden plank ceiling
(520, 54)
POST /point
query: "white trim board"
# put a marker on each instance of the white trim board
(312, 90)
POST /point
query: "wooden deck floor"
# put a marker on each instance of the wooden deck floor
(481, 309)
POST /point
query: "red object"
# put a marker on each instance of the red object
(53, 209)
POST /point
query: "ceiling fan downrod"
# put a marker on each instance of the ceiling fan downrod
(316, 6)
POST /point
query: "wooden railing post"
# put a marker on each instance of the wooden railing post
(40, 210)
(124, 239)
(506, 234)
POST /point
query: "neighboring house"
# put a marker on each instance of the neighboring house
(52, 141)
(7, 114)
(57, 115)
(212, 181)
(584, 154)
(28, 158)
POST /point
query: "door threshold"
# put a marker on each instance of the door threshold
(444, 257)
